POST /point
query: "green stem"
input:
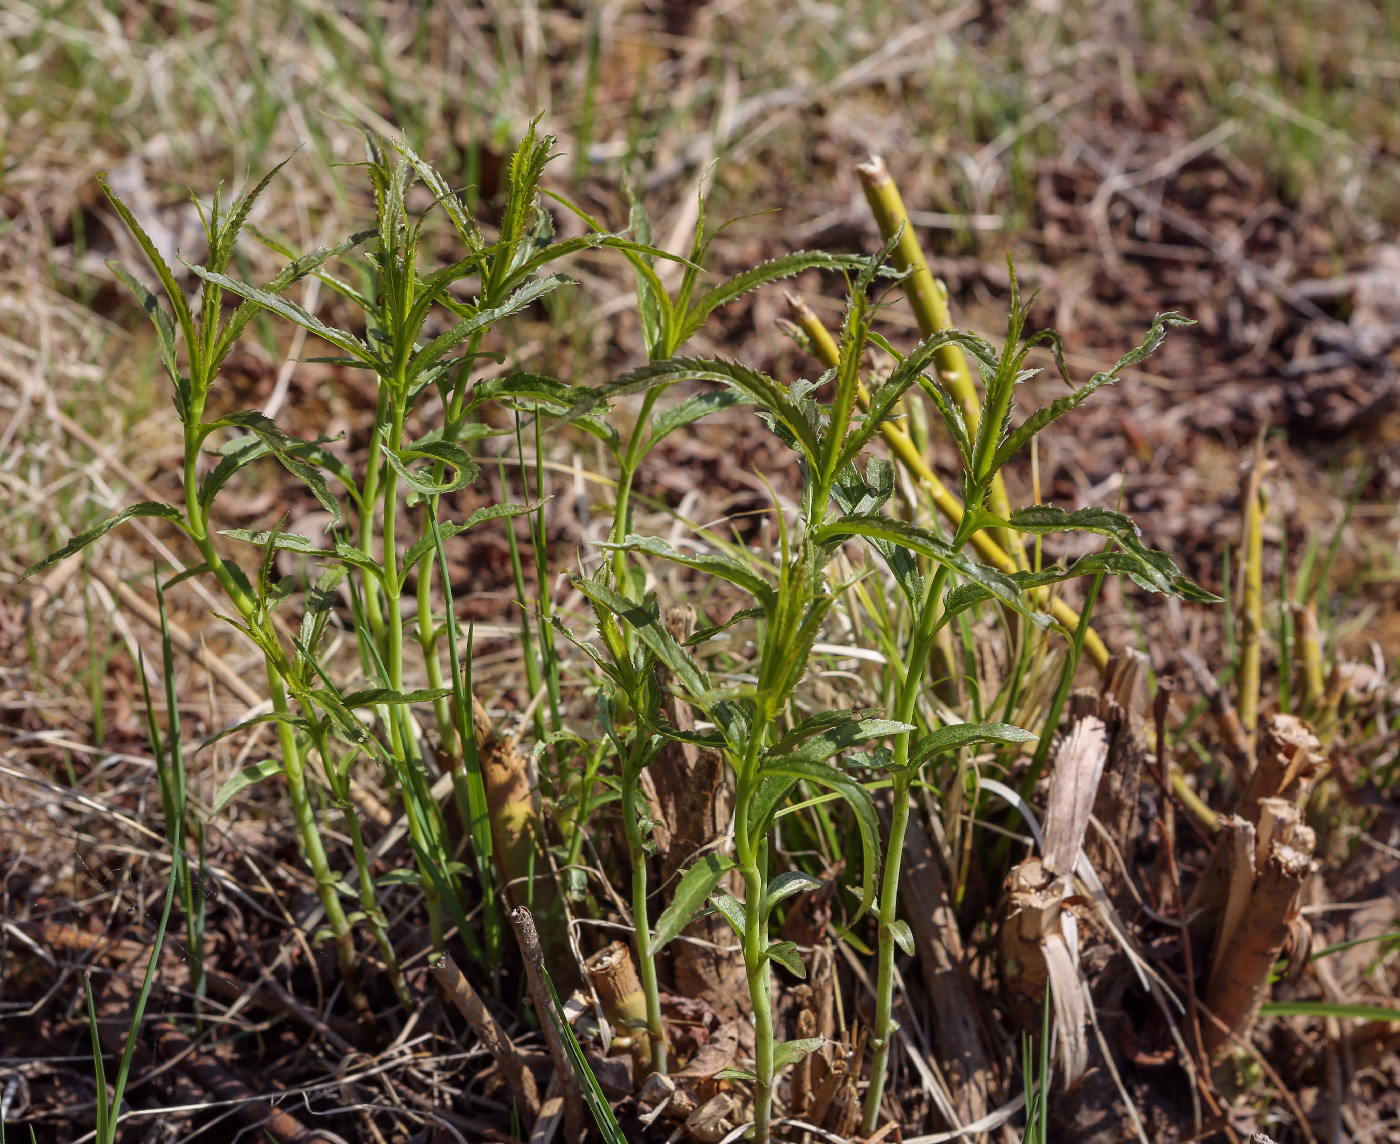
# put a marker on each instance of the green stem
(399, 736)
(641, 917)
(293, 767)
(925, 630)
(759, 974)
(641, 432)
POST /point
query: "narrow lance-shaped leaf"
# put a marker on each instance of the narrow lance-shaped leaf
(790, 1052)
(691, 894)
(82, 540)
(951, 738)
(482, 319)
(822, 746)
(650, 631)
(1038, 420)
(158, 263)
(765, 272)
(288, 309)
(281, 446)
(715, 564)
(424, 544)
(242, 780)
(441, 452)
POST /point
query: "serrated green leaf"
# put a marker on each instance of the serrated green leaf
(785, 954)
(819, 747)
(787, 885)
(293, 542)
(167, 280)
(958, 735)
(281, 446)
(1038, 420)
(441, 452)
(288, 309)
(1151, 568)
(790, 1052)
(690, 896)
(765, 272)
(921, 540)
(705, 634)
(903, 936)
(651, 632)
(242, 780)
(736, 1074)
(713, 563)
(424, 544)
(82, 540)
(730, 908)
(691, 410)
(480, 320)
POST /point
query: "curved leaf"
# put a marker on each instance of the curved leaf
(281, 446)
(787, 885)
(958, 735)
(293, 542)
(790, 1052)
(765, 272)
(480, 320)
(691, 894)
(1152, 569)
(1038, 420)
(439, 451)
(822, 745)
(242, 780)
(716, 564)
(82, 540)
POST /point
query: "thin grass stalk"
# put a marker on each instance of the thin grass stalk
(517, 573)
(1252, 610)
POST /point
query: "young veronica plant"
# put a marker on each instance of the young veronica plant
(767, 766)
(936, 600)
(423, 331)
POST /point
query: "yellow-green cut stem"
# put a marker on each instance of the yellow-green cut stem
(928, 298)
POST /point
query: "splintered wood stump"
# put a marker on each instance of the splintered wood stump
(1038, 942)
(957, 1031)
(1289, 753)
(1121, 706)
(1239, 979)
(692, 807)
